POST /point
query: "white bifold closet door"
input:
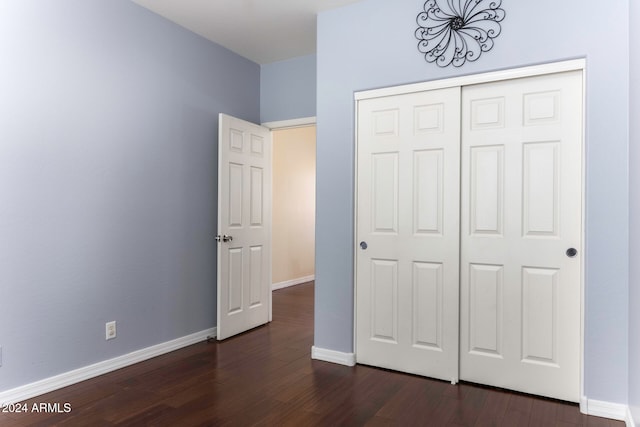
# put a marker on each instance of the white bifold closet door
(469, 219)
(408, 233)
(521, 220)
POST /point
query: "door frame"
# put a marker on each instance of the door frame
(289, 124)
(488, 77)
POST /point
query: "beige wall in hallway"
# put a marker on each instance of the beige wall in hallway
(294, 195)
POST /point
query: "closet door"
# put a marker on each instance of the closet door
(407, 269)
(521, 248)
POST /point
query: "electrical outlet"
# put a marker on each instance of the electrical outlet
(110, 330)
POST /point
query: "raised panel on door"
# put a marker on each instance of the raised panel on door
(256, 204)
(384, 192)
(234, 290)
(540, 189)
(407, 219)
(428, 191)
(540, 315)
(521, 209)
(486, 309)
(384, 301)
(244, 226)
(486, 208)
(427, 305)
(234, 195)
(256, 266)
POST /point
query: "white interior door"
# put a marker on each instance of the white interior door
(521, 213)
(408, 233)
(244, 226)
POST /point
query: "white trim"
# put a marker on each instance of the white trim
(292, 282)
(347, 359)
(354, 238)
(629, 420)
(599, 408)
(292, 123)
(47, 385)
(583, 405)
(494, 76)
(583, 234)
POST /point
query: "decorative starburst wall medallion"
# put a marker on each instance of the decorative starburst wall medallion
(456, 31)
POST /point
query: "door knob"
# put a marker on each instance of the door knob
(571, 252)
(363, 245)
(226, 238)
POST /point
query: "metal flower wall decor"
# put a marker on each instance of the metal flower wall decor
(454, 31)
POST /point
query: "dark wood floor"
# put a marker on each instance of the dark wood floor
(266, 377)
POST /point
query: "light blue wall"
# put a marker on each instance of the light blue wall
(634, 214)
(108, 164)
(371, 44)
(288, 89)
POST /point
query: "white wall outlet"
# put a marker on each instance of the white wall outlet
(110, 330)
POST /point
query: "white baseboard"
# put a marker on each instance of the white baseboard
(47, 385)
(614, 411)
(347, 359)
(292, 282)
(629, 419)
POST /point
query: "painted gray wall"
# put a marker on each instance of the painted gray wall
(108, 163)
(634, 214)
(288, 89)
(371, 44)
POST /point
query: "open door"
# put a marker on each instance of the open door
(244, 226)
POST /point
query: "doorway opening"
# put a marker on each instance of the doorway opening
(245, 210)
(293, 208)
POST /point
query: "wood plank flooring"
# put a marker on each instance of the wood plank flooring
(266, 377)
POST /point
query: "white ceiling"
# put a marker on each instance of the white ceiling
(263, 31)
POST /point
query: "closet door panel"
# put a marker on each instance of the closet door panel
(521, 210)
(407, 241)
